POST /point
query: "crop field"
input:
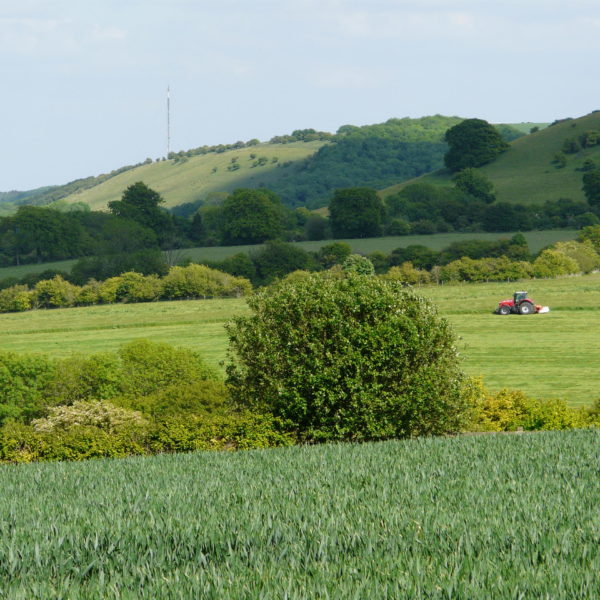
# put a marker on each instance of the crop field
(536, 240)
(479, 517)
(551, 355)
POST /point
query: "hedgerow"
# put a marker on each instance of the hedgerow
(191, 282)
(96, 407)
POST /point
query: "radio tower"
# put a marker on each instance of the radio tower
(168, 121)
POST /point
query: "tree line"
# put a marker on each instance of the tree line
(469, 261)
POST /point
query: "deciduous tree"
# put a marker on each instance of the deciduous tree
(251, 217)
(356, 213)
(473, 143)
(354, 358)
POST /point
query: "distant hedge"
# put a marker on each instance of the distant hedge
(191, 282)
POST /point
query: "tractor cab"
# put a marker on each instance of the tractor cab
(518, 297)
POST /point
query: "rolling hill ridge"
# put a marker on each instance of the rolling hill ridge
(303, 168)
(529, 172)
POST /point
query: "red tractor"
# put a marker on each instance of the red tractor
(520, 304)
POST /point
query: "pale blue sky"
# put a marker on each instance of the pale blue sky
(84, 81)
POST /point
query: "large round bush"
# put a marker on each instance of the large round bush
(356, 358)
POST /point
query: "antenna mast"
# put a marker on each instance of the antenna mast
(168, 121)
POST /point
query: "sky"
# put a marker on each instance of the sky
(84, 82)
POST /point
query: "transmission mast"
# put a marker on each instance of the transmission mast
(168, 121)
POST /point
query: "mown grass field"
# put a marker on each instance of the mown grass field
(536, 240)
(551, 355)
(200, 175)
(526, 173)
(490, 518)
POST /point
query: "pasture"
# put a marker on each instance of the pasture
(493, 517)
(551, 355)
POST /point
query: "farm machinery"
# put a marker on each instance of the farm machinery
(520, 304)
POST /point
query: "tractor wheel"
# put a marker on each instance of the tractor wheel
(504, 310)
(526, 308)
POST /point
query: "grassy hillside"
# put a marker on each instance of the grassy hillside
(372, 155)
(526, 127)
(492, 517)
(551, 355)
(526, 173)
(536, 240)
(191, 180)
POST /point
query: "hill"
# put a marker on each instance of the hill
(303, 167)
(527, 173)
(191, 179)
(303, 173)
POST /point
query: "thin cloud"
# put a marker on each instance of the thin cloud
(100, 33)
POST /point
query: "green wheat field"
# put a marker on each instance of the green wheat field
(490, 517)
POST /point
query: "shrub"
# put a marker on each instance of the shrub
(107, 290)
(583, 253)
(242, 431)
(361, 265)
(199, 281)
(55, 293)
(103, 415)
(398, 227)
(552, 263)
(89, 293)
(298, 275)
(509, 410)
(406, 273)
(22, 443)
(15, 299)
(114, 433)
(591, 233)
(149, 367)
(23, 381)
(353, 358)
(134, 287)
(593, 413)
(206, 397)
(277, 259)
(333, 254)
(95, 377)
(239, 265)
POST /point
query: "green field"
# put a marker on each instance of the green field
(551, 355)
(195, 179)
(526, 174)
(536, 240)
(490, 518)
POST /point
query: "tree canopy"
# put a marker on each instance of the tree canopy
(591, 187)
(353, 358)
(356, 213)
(472, 143)
(251, 217)
(141, 204)
(475, 183)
